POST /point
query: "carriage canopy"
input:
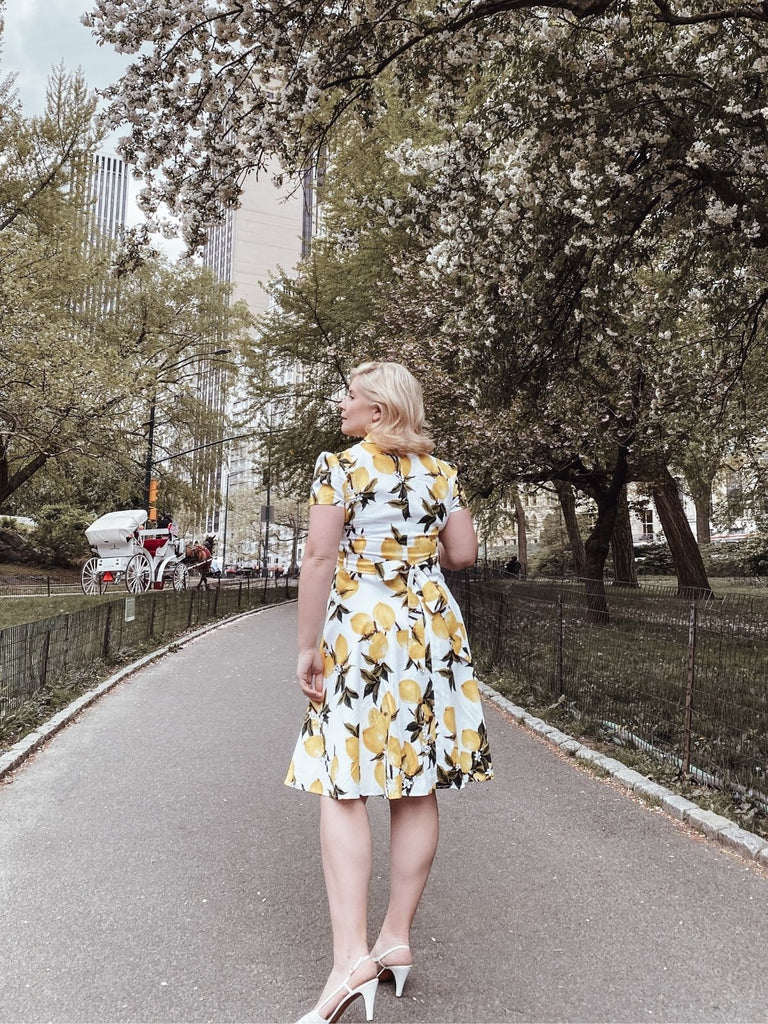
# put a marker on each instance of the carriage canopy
(115, 527)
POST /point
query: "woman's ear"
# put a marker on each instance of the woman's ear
(376, 414)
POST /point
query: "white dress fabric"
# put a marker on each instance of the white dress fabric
(401, 714)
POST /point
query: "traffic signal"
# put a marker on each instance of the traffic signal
(153, 492)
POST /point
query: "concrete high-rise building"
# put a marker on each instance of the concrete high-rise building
(108, 191)
(268, 233)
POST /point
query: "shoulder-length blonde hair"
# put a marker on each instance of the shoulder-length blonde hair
(402, 426)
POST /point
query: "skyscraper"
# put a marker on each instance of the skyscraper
(269, 232)
(108, 191)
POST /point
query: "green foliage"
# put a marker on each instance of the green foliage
(554, 560)
(60, 534)
(654, 560)
(738, 558)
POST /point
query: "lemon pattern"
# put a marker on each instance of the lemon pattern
(401, 714)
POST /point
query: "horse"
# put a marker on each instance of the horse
(199, 557)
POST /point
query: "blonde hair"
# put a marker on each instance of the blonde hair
(402, 427)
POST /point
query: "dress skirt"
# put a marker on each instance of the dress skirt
(401, 714)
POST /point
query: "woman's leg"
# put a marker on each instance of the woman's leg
(347, 851)
(414, 835)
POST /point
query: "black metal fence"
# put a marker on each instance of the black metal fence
(686, 680)
(65, 648)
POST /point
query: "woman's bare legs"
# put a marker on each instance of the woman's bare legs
(414, 834)
(347, 851)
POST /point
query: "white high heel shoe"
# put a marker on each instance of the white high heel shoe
(367, 990)
(398, 972)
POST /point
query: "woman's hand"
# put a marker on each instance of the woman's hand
(309, 672)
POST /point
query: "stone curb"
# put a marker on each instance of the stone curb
(19, 752)
(712, 825)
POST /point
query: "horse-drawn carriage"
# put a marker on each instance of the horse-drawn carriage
(124, 551)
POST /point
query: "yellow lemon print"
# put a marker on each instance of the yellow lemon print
(421, 549)
(439, 487)
(410, 760)
(416, 649)
(430, 591)
(410, 691)
(440, 627)
(316, 787)
(365, 565)
(391, 549)
(396, 789)
(449, 717)
(360, 478)
(405, 465)
(465, 761)
(389, 705)
(291, 776)
(428, 463)
(378, 647)
(384, 463)
(397, 585)
(315, 746)
(452, 621)
(358, 545)
(362, 624)
(470, 739)
(328, 664)
(384, 615)
(325, 495)
(394, 752)
(402, 637)
(375, 736)
(470, 690)
(341, 648)
(334, 769)
(345, 585)
(380, 774)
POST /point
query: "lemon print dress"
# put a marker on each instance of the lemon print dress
(401, 713)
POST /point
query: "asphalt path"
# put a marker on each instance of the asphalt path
(153, 868)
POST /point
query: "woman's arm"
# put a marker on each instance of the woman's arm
(326, 526)
(457, 542)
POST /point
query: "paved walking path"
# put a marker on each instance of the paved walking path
(154, 868)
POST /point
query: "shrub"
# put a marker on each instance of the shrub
(60, 534)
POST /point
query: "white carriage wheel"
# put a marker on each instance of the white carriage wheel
(91, 579)
(138, 573)
(180, 576)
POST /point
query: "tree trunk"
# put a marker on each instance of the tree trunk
(568, 505)
(701, 492)
(692, 579)
(595, 553)
(522, 537)
(622, 548)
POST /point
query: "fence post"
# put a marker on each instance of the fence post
(107, 631)
(690, 675)
(559, 655)
(152, 617)
(44, 659)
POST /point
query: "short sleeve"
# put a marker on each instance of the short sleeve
(458, 498)
(328, 483)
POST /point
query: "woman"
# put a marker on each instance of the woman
(394, 706)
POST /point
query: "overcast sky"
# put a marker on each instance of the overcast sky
(40, 34)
